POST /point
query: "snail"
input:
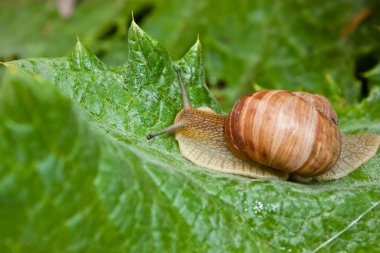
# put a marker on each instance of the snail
(271, 134)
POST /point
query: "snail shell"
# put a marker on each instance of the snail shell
(295, 132)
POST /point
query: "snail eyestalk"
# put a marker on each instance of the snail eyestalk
(186, 106)
(185, 96)
(171, 129)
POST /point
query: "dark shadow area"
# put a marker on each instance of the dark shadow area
(10, 57)
(363, 64)
(221, 85)
(140, 14)
(108, 32)
(100, 53)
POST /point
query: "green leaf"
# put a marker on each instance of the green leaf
(374, 76)
(77, 174)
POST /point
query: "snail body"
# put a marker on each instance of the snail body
(271, 134)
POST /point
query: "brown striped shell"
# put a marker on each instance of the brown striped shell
(295, 132)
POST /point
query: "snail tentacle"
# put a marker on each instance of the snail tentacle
(171, 129)
(186, 106)
(185, 95)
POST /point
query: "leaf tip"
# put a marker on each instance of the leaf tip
(198, 42)
(12, 68)
(133, 22)
(78, 46)
(84, 58)
(134, 26)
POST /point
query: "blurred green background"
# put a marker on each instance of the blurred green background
(319, 46)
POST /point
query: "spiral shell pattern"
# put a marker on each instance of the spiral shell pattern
(295, 132)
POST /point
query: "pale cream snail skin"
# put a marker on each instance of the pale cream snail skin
(271, 134)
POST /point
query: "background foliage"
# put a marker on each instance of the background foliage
(77, 174)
